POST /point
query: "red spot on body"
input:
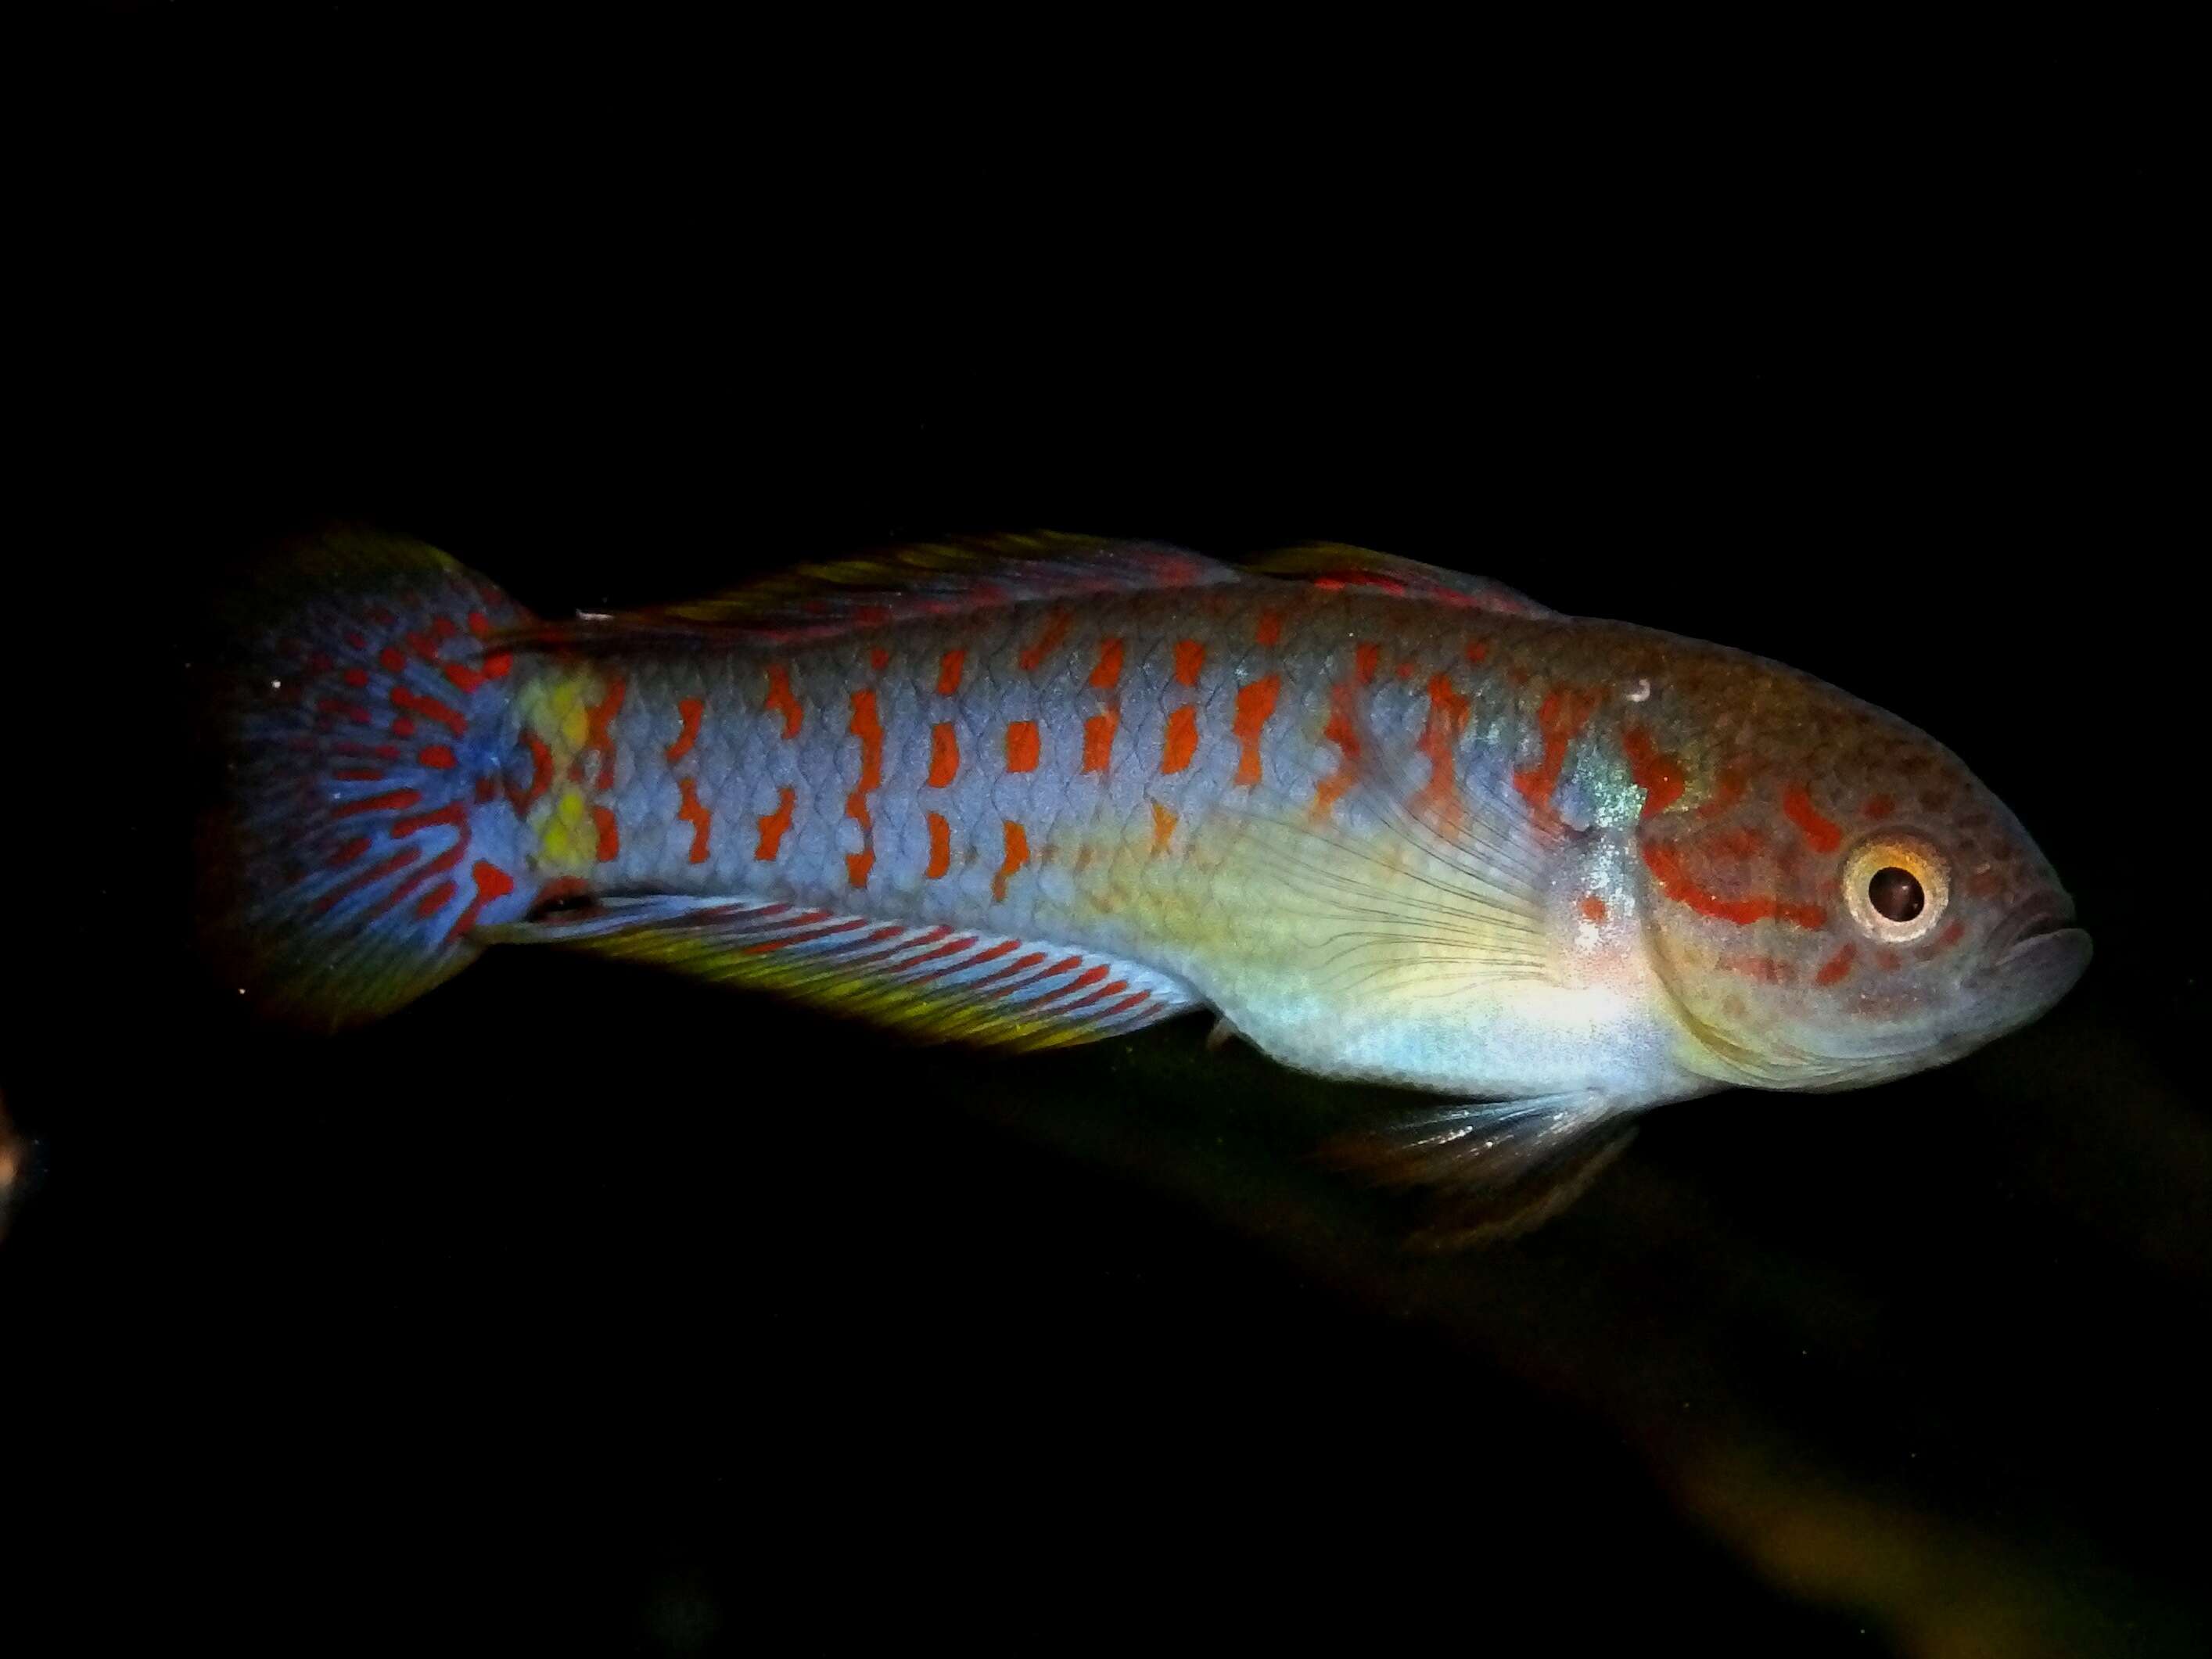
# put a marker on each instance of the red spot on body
(463, 679)
(1256, 705)
(878, 658)
(948, 672)
(1190, 658)
(603, 820)
(1055, 630)
(1181, 738)
(1098, 740)
(1593, 907)
(689, 810)
(1942, 942)
(435, 901)
(1021, 745)
(599, 729)
(437, 756)
(1108, 674)
(869, 730)
(352, 850)
(1666, 865)
(1270, 630)
(1768, 971)
(1659, 775)
(492, 883)
(940, 847)
(541, 774)
(943, 754)
(1559, 717)
(357, 775)
(356, 677)
(1364, 660)
(780, 700)
(1343, 731)
(1836, 967)
(1820, 835)
(1017, 855)
(1477, 650)
(1727, 792)
(1163, 826)
(394, 659)
(1741, 842)
(688, 711)
(1439, 741)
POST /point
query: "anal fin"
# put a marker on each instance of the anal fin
(936, 982)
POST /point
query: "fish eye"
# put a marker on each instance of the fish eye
(1896, 887)
(1896, 893)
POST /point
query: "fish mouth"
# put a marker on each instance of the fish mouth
(2036, 953)
(2040, 918)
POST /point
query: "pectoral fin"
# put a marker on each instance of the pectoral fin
(1497, 1169)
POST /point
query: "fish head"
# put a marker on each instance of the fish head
(1838, 900)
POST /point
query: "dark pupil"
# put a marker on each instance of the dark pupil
(1896, 894)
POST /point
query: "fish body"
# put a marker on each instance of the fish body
(1391, 823)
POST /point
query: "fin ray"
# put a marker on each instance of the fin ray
(1496, 1170)
(937, 982)
(1332, 564)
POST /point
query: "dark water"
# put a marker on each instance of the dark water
(576, 1306)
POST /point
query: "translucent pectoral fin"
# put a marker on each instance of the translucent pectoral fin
(1497, 1169)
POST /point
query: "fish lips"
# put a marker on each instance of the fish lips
(2032, 959)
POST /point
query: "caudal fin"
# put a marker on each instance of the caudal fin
(365, 727)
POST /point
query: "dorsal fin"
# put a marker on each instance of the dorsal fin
(958, 576)
(1332, 564)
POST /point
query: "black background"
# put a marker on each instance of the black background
(579, 1307)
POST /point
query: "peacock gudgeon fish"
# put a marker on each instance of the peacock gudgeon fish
(1388, 822)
